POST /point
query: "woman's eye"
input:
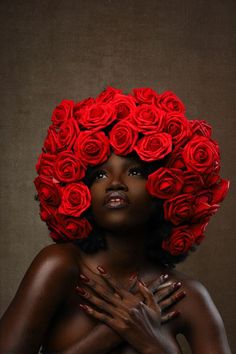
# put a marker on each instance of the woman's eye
(99, 175)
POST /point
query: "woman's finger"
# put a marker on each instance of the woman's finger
(157, 283)
(148, 296)
(104, 292)
(169, 316)
(169, 301)
(112, 283)
(98, 315)
(99, 303)
(165, 292)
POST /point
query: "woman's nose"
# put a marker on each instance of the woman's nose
(117, 183)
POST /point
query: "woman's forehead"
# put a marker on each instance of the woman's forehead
(117, 160)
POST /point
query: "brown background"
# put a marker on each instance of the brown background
(72, 49)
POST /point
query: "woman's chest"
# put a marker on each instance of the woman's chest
(73, 325)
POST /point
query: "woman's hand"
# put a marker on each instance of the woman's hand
(137, 319)
(166, 295)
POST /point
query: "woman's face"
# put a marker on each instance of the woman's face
(119, 197)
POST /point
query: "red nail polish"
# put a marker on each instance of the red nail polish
(80, 290)
(176, 314)
(133, 276)
(101, 270)
(84, 278)
(83, 307)
(177, 285)
(180, 295)
(164, 277)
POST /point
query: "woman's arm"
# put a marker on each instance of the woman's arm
(204, 328)
(137, 322)
(41, 292)
(102, 339)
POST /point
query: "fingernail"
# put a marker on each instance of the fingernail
(164, 277)
(101, 270)
(176, 314)
(80, 290)
(177, 285)
(180, 295)
(133, 276)
(84, 278)
(83, 307)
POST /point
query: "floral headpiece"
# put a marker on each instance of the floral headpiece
(154, 126)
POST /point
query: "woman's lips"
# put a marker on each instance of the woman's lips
(116, 200)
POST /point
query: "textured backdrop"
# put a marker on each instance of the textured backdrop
(73, 49)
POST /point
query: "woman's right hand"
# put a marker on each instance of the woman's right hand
(166, 294)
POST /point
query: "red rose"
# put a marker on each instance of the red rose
(169, 102)
(201, 155)
(83, 104)
(51, 141)
(107, 95)
(211, 179)
(123, 137)
(154, 147)
(76, 199)
(46, 212)
(49, 192)
(200, 127)
(67, 135)
(165, 183)
(67, 228)
(219, 190)
(204, 207)
(192, 182)
(92, 148)
(145, 95)
(62, 113)
(198, 231)
(97, 116)
(178, 127)
(179, 209)
(175, 160)
(148, 119)
(45, 165)
(80, 106)
(124, 106)
(68, 168)
(180, 241)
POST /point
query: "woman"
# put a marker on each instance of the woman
(131, 184)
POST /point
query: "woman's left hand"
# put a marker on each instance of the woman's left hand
(138, 322)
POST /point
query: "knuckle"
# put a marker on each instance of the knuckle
(127, 321)
(134, 311)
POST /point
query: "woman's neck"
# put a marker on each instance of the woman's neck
(125, 253)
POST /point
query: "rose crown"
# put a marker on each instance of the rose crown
(154, 126)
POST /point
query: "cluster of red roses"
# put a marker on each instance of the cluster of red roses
(155, 126)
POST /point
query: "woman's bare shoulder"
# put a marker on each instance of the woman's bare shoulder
(66, 254)
(198, 312)
(52, 275)
(197, 295)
